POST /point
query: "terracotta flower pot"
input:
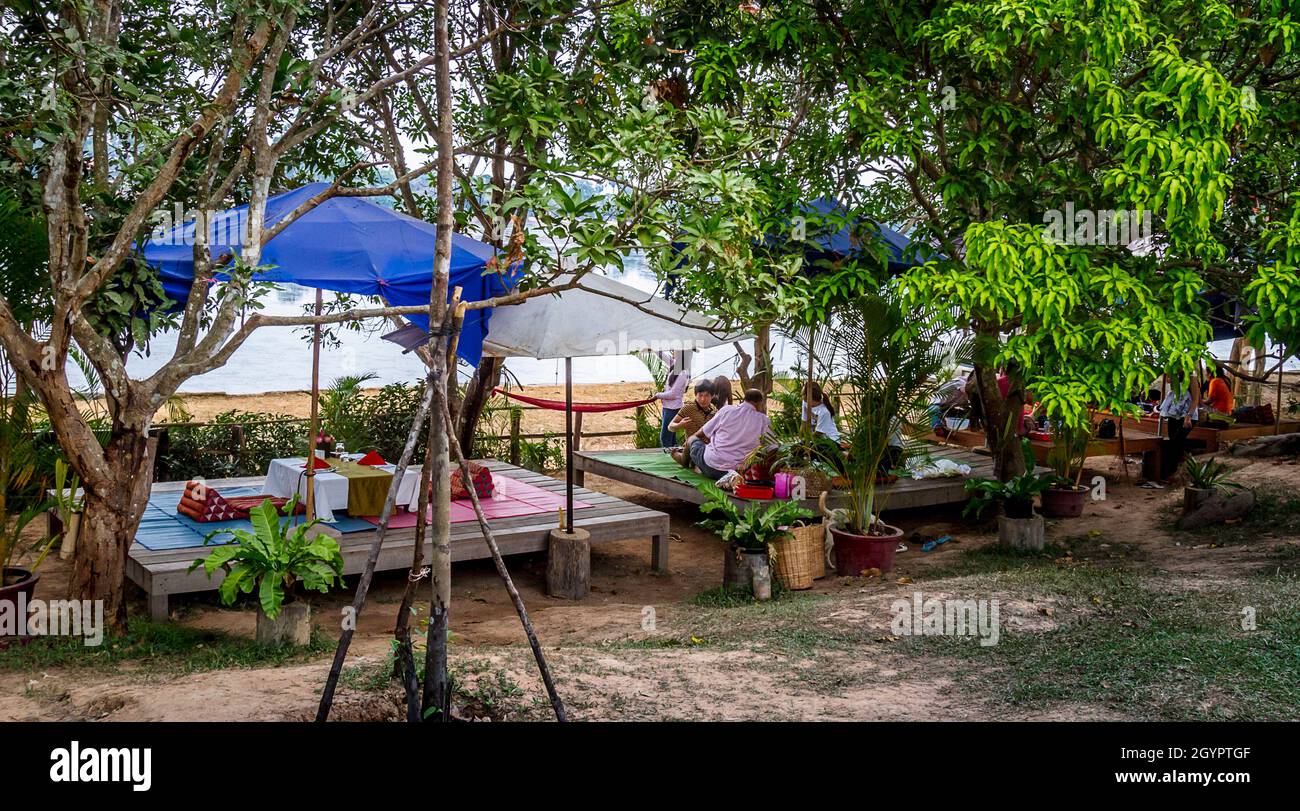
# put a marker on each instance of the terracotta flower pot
(855, 553)
(1064, 502)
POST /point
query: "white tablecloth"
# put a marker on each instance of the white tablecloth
(284, 477)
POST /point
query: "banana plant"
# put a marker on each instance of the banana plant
(273, 559)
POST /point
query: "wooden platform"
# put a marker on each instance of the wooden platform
(1135, 442)
(162, 573)
(901, 495)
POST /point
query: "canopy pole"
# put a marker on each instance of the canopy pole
(568, 445)
(807, 409)
(315, 411)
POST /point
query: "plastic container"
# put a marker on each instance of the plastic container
(756, 490)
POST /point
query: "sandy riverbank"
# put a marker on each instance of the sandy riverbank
(203, 407)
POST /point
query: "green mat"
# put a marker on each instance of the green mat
(656, 464)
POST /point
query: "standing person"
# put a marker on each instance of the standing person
(732, 435)
(671, 397)
(1179, 411)
(721, 391)
(692, 418)
(823, 414)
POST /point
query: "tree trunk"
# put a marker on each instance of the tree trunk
(477, 394)
(1001, 422)
(112, 514)
(437, 695)
(762, 378)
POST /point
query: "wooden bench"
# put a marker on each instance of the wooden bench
(901, 495)
(162, 573)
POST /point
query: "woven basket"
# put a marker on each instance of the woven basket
(798, 558)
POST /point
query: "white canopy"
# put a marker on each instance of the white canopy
(599, 317)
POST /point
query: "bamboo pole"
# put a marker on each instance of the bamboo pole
(315, 412)
(556, 704)
(568, 445)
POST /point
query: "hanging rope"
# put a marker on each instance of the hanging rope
(559, 405)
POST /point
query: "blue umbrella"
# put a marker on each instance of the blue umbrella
(348, 245)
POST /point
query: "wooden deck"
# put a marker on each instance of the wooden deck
(1135, 442)
(901, 495)
(162, 573)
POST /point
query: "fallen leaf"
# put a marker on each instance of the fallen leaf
(903, 581)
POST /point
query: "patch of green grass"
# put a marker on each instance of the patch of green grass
(159, 647)
(1150, 650)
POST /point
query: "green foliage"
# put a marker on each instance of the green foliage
(891, 360)
(1069, 453)
(1016, 495)
(340, 409)
(1209, 474)
(752, 529)
(214, 450)
(22, 496)
(273, 558)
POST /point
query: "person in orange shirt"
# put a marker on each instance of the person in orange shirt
(1219, 395)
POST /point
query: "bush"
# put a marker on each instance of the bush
(214, 450)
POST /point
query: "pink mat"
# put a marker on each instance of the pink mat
(512, 499)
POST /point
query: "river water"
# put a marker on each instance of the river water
(279, 358)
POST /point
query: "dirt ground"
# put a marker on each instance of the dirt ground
(644, 646)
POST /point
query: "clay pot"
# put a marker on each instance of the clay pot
(855, 553)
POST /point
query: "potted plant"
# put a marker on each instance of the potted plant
(69, 506)
(19, 483)
(275, 560)
(746, 533)
(814, 457)
(1018, 525)
(1065, 496)
(1203, 479)
(891, 363)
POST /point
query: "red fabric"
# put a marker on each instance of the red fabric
(587, 408)
(205, 505)
(372, 458)
(480, 478)
(320, 463)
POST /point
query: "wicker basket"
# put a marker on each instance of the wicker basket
(798, 558)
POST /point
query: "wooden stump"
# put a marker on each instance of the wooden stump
(1224, 504)
(292, 626)
(1021, 533)
(568, 564)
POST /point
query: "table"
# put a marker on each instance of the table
(284, 477)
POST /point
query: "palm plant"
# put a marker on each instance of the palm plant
(1210, 474)
(890, 364)
(21, 498)
(340, 416)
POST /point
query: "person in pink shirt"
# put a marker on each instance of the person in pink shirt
(730, 437)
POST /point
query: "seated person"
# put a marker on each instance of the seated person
(733, 433)
(1219, 394)
(692, 417)
(823, 415)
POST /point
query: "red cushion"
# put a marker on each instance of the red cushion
(480, 478)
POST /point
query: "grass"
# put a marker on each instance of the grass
(1146, 649)
(162, 646)
(1276, 514)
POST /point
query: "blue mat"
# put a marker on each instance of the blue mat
(164, 528)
